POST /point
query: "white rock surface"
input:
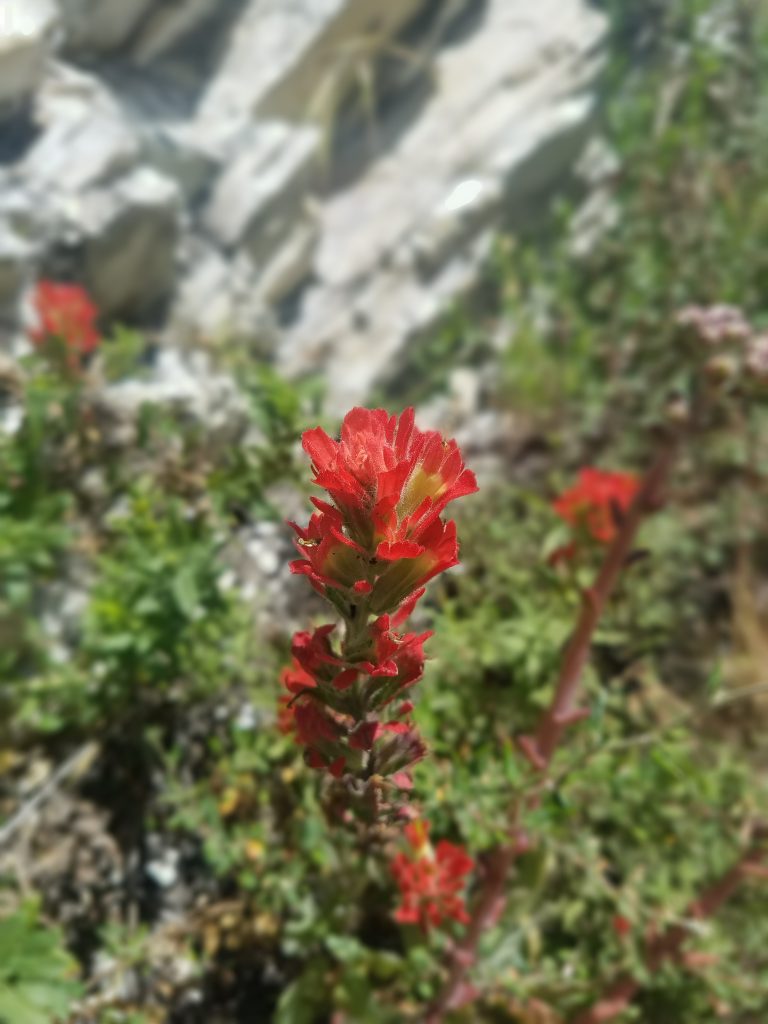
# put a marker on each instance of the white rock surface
(506, 121)
(193, 170)
(15, 254)
(19, 244)
(189, 383)
(219, 302)
(130, 231)
(261, 190)
(26, 35)
(85, 137)
(282, 52)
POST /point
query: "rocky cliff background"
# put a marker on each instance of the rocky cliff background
(315, 180)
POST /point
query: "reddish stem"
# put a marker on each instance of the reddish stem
(540, 748)
(564, 707)
(668, 945)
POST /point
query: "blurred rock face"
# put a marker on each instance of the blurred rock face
(336, 165)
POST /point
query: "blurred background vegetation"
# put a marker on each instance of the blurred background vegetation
(165, 855)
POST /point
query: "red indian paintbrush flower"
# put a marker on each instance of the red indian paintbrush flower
(389, 479)
(430, 880)
(369, 551)
(66, 316)
(596, 502)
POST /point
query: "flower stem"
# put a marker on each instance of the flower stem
(668, 945)
(540, 748)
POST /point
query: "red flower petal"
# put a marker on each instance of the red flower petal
(401, 549)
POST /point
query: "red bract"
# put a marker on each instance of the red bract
(330, 557)
(404, 571)
(295, 679)
(65, 315)
(431, 880)
(370, 552)
(285, 720)
(312, 652)
(395, 655)
(313, 725)
(597, 502)
(389, 479)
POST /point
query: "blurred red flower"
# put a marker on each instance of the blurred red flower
(431, 880)
(621, 925)
(285, 720)
(66, 315)
(597, 501)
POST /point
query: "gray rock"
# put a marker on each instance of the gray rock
(21, 234)
(219, 302)
(599, 212)
(262, 190)
(98, 26)
(259, 558)
(74, 155)
(283, 54)
(187, 382)
(85, 139)
(27, 32)
(599, 163)
(507, 120)
(130, 232)
(291, 264)
(213, 198)
(16, 256)
(164, 869)
(177, 151)
(596, 217)
(203, 308)
(167, 25)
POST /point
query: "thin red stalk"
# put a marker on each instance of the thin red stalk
(564, 707)
(668, 945)
(539, 749)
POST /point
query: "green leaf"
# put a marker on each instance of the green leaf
(185, 591)
(37, 983)
(301, 1001)
(345, 948)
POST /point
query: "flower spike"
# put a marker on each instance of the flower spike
(370, 550)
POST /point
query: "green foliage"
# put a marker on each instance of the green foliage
(122, 354)
(649, 796)
(158, 623)
(425, 370)
(37, 975)
(34, 509)
(157, 613)
(277, 410)
(686, 117)
(29, 553)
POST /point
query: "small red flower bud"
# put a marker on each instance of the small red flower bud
(595, 504)
(621, 925)
(430, 880)
(66, 316)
